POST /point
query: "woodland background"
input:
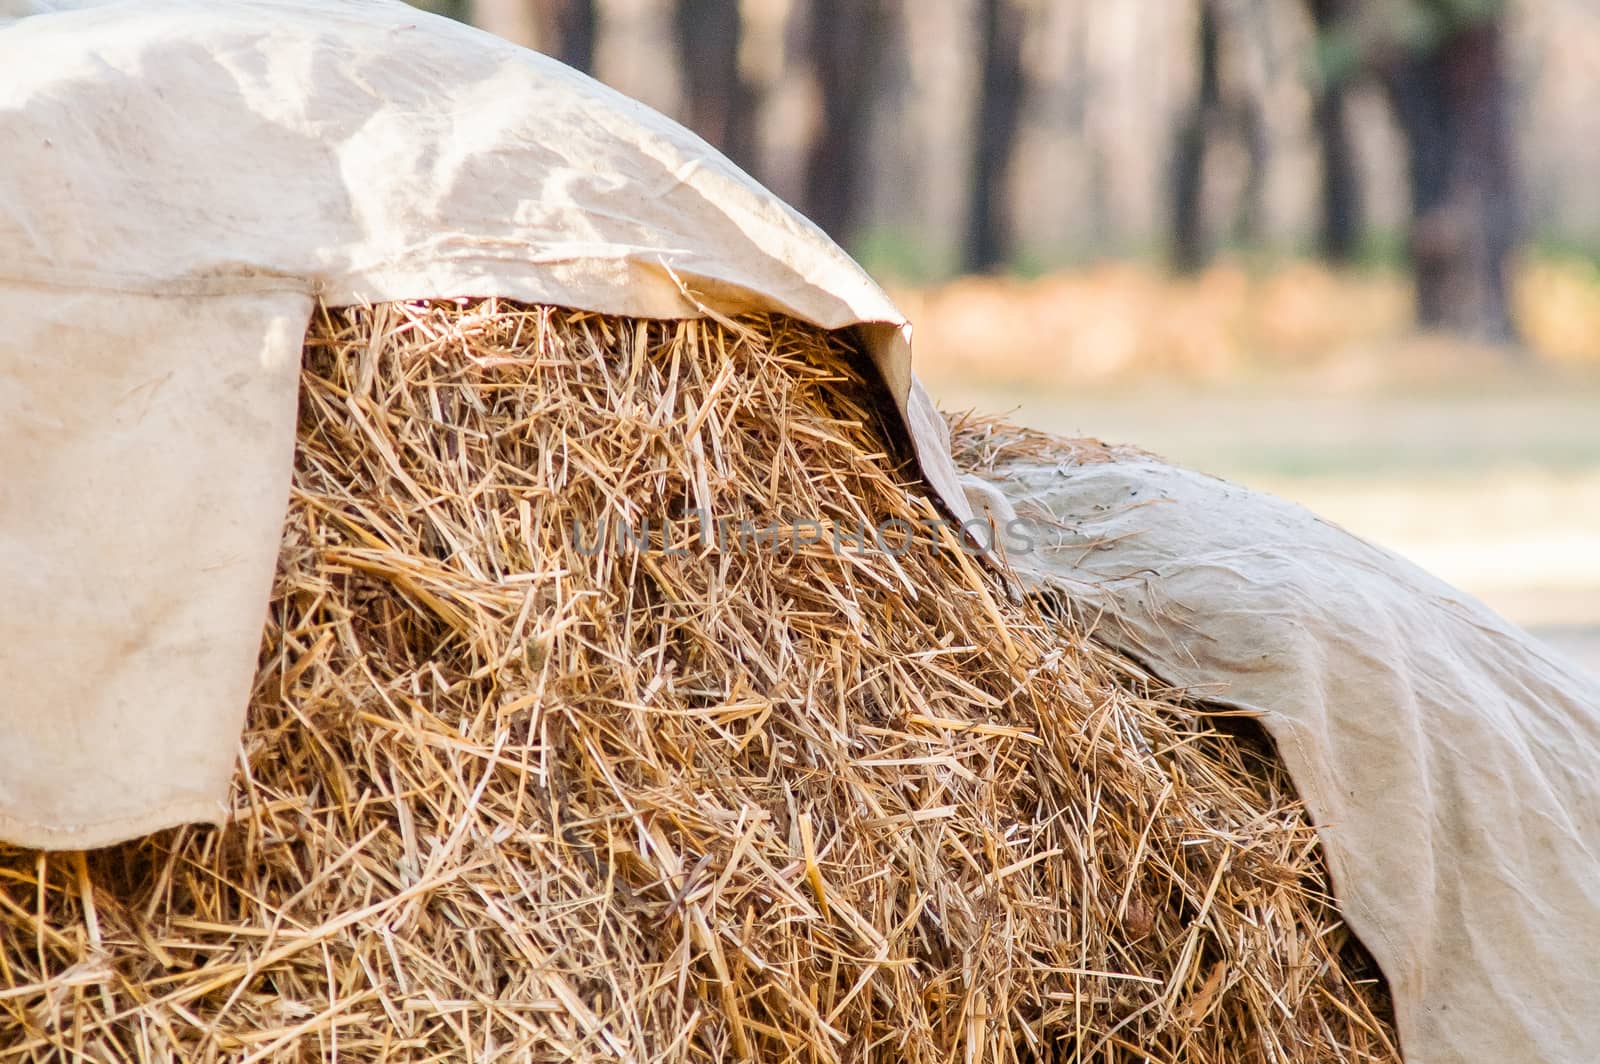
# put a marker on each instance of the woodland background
(1345, 250)
(941, 136)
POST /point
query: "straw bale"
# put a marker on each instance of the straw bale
(505, 795)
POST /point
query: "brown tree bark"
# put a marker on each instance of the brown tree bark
(1451, 104)
(847, 38)
(1214, 115)
(563, 29)
(1189, 250)
(719, 102)
(1341, 206)
(568, 31)
(1339, 234)
(999, 111)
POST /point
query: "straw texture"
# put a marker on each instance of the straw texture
(696, 790)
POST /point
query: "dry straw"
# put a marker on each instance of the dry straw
(505, 796)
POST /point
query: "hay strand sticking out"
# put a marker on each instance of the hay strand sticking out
(509, 792)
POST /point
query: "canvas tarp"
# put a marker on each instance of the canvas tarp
(1450, 761)
(183, 180)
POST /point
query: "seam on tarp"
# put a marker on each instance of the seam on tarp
(530, 267)
(172, 288)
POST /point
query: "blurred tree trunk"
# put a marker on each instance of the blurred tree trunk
(1252, 129)
(1341, 182)
(563, 29)
(1340, 230)
(998, 112)
(845, 41)
(1214, 116)
(719, 102)
(1189, 250)
(1451, 103)
(571, 30)
(1254, 39)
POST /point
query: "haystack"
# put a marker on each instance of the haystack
(592, 723)
(1446, 755)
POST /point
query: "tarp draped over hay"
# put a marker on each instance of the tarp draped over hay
(504, 796)
(1450, 761)
(183, 181)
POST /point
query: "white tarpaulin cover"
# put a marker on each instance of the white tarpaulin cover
(181, 181)
(1450, 761)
